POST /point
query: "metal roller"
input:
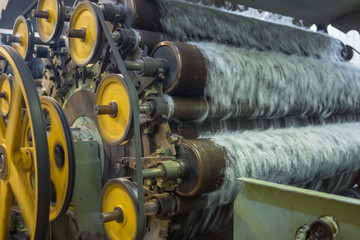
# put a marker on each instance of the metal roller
(128, 39)
(187, 68)
(199, 109)
(141, 14)
(191, 109)
(205, 163)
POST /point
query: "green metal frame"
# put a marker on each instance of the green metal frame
(267, 211)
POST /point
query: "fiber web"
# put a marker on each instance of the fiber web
(276, 85)
(190, 21)
(294, 156)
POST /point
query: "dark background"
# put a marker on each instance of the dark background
(17, 7)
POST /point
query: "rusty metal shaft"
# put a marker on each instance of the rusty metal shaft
(115, 215)
(151, 208)
(153, 173)
(110, 109)
(11, 38)
(40, 14)
(76, 33)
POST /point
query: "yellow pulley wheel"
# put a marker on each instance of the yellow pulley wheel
(5, 94)
(23, 37)
(61, 155)
(50, 18)
(17, 162)
(113, 110)
(85, 35)
(119, 210)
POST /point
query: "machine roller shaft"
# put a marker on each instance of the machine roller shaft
(40, 14)
(198, 109)
(128, 39)
(228, 76)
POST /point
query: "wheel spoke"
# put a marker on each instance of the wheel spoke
(57, 179)
(58, 176)
(14, 121)
(2, 129)
(24, 195)
(6, 202)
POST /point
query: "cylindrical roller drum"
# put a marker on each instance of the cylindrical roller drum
(151, 39)
(187, 68)
(206, 165)
(142, 14)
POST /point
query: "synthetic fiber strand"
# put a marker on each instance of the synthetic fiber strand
(276, 84)
(293, 156)
(194, 22)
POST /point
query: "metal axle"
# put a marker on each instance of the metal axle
(167, 170)
(76, 33)
(134, 66)
(151, 208)
(144, 109)
(11, 38)
(153, 173)
(110, 109)
(116, 215)
(40, 14)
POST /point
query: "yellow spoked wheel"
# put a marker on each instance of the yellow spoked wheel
(85, 35)
(50, 19)
(5, 93)
(113, 110)
(16, 161)
(119, 210)
(61, 154)
(23, 31)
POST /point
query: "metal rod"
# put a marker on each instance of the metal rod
(115, 215)
(40, 14)
(31, 6)
(152, 173)
(134, 66)
(11, 38)
(151, 207)
(144, 108)
(110, 109)
(76, 33)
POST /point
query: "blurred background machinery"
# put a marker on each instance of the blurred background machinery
(174, 119)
